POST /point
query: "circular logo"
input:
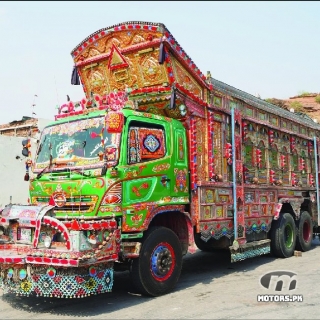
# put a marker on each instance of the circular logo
(59, 199)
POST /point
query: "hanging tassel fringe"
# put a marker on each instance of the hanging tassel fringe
(75, 77)
(173, 99)
(162, 53)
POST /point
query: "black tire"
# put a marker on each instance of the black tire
(202, 245)
(157, 270)
(283, 236)
(305, 232)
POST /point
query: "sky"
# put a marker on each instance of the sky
(270, 48)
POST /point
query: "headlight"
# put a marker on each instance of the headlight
(47, 241)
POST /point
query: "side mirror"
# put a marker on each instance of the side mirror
(25, 152)
(25, 147)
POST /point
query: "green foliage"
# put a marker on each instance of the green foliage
(278, 102)
(304, 93)
(317, 99)
(297, 106)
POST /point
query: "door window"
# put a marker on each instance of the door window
(145, 144)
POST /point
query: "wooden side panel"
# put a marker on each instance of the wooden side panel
(185, 79)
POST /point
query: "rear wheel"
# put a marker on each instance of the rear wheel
(157, 270)
(304, 236)
(283, 236)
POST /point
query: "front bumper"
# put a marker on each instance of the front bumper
(44, 256)
(48, 281)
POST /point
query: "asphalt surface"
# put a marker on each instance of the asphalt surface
(210, 287)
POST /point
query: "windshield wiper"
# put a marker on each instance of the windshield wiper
(39, 175)
(41, 144)
(81, 172)
(45, 168)
(74, 170)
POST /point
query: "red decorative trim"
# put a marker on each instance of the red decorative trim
(111, 257)
(193, 154)
(123, 64)
(98, 225)
(113, 101)
(11, 259)
(310, 147)
(150, 90)
(240, 193)
(37, 234)
(292, 143)
(169, 67)
(3, 221)
(191, 244)
(237, 116)
(191, 95)
(152, 27)
(61, 227)
(53, 261)
(160, 209)
(133, 48)
(210, 149)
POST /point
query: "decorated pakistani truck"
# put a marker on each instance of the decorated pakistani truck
(155, 161)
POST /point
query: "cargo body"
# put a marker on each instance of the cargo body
(156, 161)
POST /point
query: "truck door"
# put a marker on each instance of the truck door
(148, 170)
(180, 184)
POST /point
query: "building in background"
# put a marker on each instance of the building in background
(25, 127)
(12, 163)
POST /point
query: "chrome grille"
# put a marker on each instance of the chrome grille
(72, 204)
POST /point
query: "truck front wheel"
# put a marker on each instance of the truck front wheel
(157, 270)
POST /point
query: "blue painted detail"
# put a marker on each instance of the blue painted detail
(151, 143)
(154, 260)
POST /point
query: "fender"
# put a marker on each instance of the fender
(295, 204)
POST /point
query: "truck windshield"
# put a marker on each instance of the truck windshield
(77, 144)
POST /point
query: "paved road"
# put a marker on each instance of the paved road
(210, 287)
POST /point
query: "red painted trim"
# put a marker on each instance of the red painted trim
(61, 227)
(210, 149)
(11, 259)
(97, 225)
(53, 261)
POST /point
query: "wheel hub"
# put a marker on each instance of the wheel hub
(306, 231)
(288, 235)
(161, 262)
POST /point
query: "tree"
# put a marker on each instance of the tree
(297, 106)
(304, 93)
(278, 102)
